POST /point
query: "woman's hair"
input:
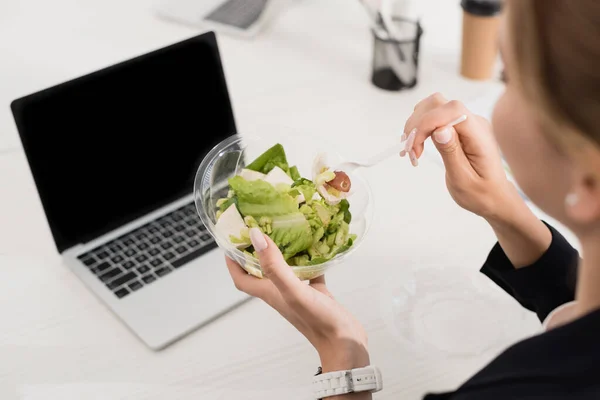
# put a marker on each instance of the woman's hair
(556, 46)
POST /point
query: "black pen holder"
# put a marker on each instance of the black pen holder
(396, 60)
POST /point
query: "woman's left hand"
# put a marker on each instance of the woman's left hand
(337, 336)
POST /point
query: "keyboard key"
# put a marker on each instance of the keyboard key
(130, 252)
(123, 279)
(143, 246)
(107, 276)
(141, 258)
(117, 259)
(148, 278)
(191, 222)
(100, 267)
(122, 293)
(153, 229)
(155, 240)
(193, 255)
(102, 255)
(178, 239)
(165, 223)
(181, 249)
(115, 248)
(153, 251)
(177, 217)
(89, 261)
(135, 285)
(162, 271)
(168, 234)
(180, 228)
(168, 255)
(141, 236)
(189, 211)
(166, 245)
(156, 262)
(190, 233)
(143, 269)
(128, 264)
(193, 243)
(206, 237)
(128, 242)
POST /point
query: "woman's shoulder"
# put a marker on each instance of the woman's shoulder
(550, 365)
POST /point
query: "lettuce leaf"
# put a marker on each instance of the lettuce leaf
(294, 173)
(273, 157)
(345, 208)
(291, 233)
(306, 187)
(260, 199)
(224, 204)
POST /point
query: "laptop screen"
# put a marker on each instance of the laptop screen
(109, 147)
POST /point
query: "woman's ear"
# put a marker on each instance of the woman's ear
(582, 203)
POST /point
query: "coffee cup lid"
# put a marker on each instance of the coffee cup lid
(483, 8)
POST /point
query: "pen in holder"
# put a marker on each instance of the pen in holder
(396, 59)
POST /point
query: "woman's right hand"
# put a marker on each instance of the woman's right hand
(475, 175)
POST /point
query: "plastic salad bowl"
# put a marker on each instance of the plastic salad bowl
(232, 156)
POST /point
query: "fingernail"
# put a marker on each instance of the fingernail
(410, 140)
(413, 159)
(403, 137)
(442, 136)
(402, 153)
(258, 239)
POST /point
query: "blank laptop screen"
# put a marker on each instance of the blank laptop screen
(114, 145)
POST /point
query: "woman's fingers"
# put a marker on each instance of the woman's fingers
(276, 269)
(428, 103)
(309, 304)
(247, 283)
(458, 166)
(440, 117)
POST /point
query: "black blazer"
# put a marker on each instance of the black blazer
(563, 363)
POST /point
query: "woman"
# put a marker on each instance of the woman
(547, 125)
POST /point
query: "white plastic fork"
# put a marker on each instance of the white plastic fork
(350, 166)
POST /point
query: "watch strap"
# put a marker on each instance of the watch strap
(350, 381)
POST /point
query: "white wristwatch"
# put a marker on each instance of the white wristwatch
(367, 379)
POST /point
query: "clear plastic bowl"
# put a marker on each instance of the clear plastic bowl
(228, 158)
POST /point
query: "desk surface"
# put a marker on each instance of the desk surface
(309, 70)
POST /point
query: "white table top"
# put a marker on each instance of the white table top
(310, 71)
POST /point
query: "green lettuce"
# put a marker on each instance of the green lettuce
(259, 198)
(294, 174)
(306, 187)
(309, 233)
(224, 204)
(274, 157)
(345, 208)
(291, 233)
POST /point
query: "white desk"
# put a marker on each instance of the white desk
(308, 71)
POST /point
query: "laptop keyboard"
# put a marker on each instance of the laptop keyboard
(239, 13)
(137, 259)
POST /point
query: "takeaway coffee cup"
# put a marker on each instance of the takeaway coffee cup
(481, 24)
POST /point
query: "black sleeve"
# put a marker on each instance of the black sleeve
(542, 286)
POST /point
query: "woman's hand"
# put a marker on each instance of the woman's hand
(337, 336)
(475, 175)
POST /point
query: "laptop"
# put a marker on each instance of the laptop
(244, 18)
(113, 155)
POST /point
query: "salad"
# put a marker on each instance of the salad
(308, 219)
